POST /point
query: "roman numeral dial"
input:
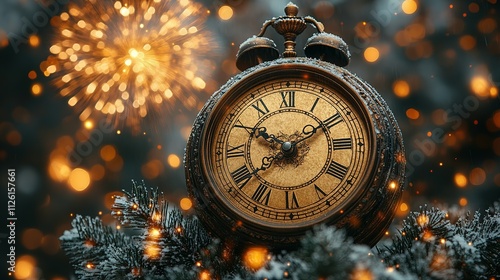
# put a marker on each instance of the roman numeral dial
(287, 151)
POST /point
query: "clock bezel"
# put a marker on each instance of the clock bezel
(248, 80)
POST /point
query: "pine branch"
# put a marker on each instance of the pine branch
(327, 253)
(87, 244)
(431, 247)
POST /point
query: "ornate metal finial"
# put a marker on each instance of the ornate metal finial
(290, 26)
(291, 10)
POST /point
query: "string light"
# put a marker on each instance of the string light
(255, 258)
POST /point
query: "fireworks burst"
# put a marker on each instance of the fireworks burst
(129, 58)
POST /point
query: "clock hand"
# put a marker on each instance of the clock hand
(262, 133)
(266, 163)
(308, 131)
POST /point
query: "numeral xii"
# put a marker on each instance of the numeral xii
(287, 99)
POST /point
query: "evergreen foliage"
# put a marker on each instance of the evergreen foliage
(160, 243)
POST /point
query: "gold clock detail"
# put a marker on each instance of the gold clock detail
(294, 142)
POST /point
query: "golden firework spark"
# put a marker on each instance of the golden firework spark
(129, 58)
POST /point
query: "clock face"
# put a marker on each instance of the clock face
(288, 151)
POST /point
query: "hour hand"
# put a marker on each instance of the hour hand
(266, 163)
(262, 132)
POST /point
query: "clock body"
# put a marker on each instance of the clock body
(290, 144)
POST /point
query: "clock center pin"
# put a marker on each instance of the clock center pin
(288, 149)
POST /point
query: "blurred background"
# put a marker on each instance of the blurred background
(95, 94)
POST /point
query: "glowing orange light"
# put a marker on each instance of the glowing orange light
(34, 41)
(427, 236)
(467, 42)
(152, 251)
(36, 89)
(173, 160)
(255, 257)
(393, 185)
(401, 88)
(371, 54)
(403, 207)
(422, 220)
(90, 265)
(409, 6)
(480, 86)
(493, 92)
(108, 153)
(412, 114)
(89, 124)
(460, 180)
(477, 176)
(205, 275)
(186, 204)
(32, 75)
(154, 232)
(463, 201)
(79, 179)
(225, 12)
(362, 274)
(25, 267)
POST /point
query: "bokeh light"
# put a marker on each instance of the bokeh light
(477, 176)
(412, 114)
(31, 238)
(185, 204)
(25, 267)
(79, 179)
(460, 180)
(225, 12)
(480, 86)
(173, 160)
(401, 88)
(371, 54)
(409, 6)
(108, 153)
(255, 257)
(36, 89)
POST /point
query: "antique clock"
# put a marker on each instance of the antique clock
(292, 142)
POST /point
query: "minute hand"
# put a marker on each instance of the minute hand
(308, 131)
